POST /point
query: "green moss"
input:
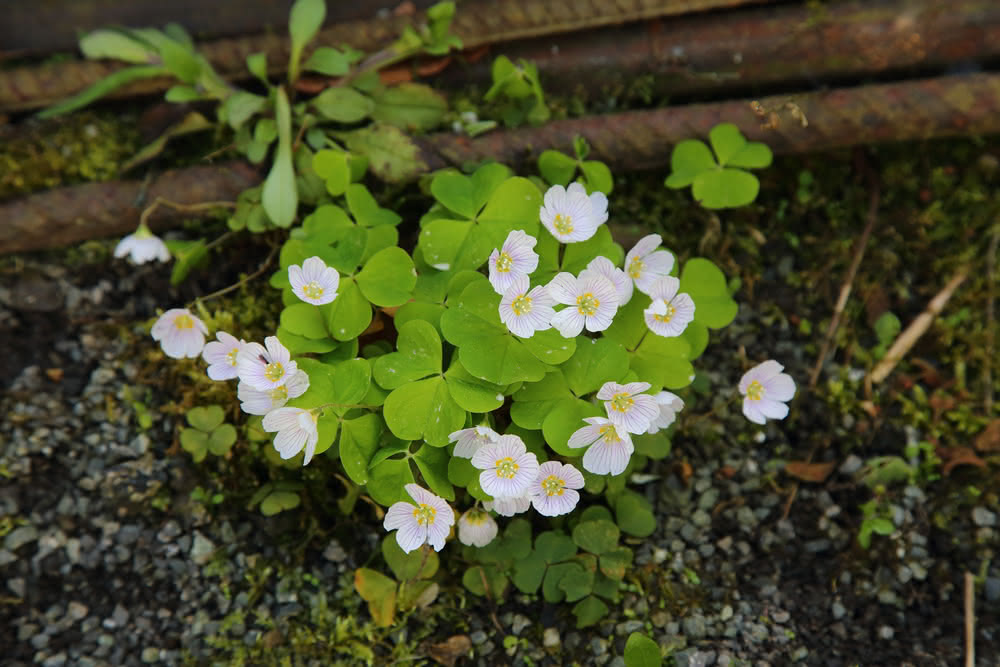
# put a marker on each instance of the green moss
(83, 147)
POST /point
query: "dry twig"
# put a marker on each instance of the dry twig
(917, 328)
(991, 261)
(970, 620)
(845, 288)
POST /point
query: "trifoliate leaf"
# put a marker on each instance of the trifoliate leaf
(663, 362)
(486, 348)
(535, 400)
(556, 168)
(725, 188)
(564, 419)
(634, 515)
(405, 566)
(358, 441)
(641, 651)
(388, 278)
(589, 611)
(418, 355)
(471, 393)
(386, 480)
(349, 314)
(433, 465)
(597, 537)
(596, 361)
(706, 284)
(205, 418)
(366, 210)
(304, 319)
(423, 410)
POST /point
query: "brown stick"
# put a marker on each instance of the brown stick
(847, 286)
(917, 328)
(991, 325)
(970, 620)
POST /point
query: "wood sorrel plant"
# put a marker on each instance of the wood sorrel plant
(516, 359)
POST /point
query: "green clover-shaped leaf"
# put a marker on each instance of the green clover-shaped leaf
(719, 182)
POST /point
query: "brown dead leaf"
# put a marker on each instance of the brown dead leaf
(405, 8)
(989, 439)
(450, 650)
(432, 67)
(956, 456)
(54, 374)
(809, 472)
(940, 403)
(928, 372)
(393, 75)
(684, 470)
(870, 408)
(312, 85)
(473, 55)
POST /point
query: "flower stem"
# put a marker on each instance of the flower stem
(226, 290)
(186, 208)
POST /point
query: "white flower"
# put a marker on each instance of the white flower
(469, 440)
(257, 402)
(644, 264)
(142, 246)
(314, 282)
(508, 468)
(670, 312)
(180, 333)
(628, 407)
(509, 506)
(296, 429)
(554, 492)
(670, 404)
(592, 301)
(610, 448)
(429, 521)
(265, 368)
(476, 528)
(526, 312)
(603, 266)
(765, 389)
(570, 215)
(221, 354)
(516, 259)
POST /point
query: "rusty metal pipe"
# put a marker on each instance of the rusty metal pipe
(924, 109)
(756, 47)
(477, 23)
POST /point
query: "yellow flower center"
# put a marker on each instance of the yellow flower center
(610, 434)
(274, 371)
(279, 394)
(231, 357)
(587, 304)
(313, 290)
(622, 402)
(635, 268)
(476, 518)
(755, 391)
(667, 316)
(184, 321)
(521, 305)
(553, 486)
(504, 263)
(563, 224)
(507, 468)
(424, 514)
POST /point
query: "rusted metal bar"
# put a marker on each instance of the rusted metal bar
(477, 23)
(756, 47)
(44, 26)
(921, 109)
(928, 108)
(72, 214)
